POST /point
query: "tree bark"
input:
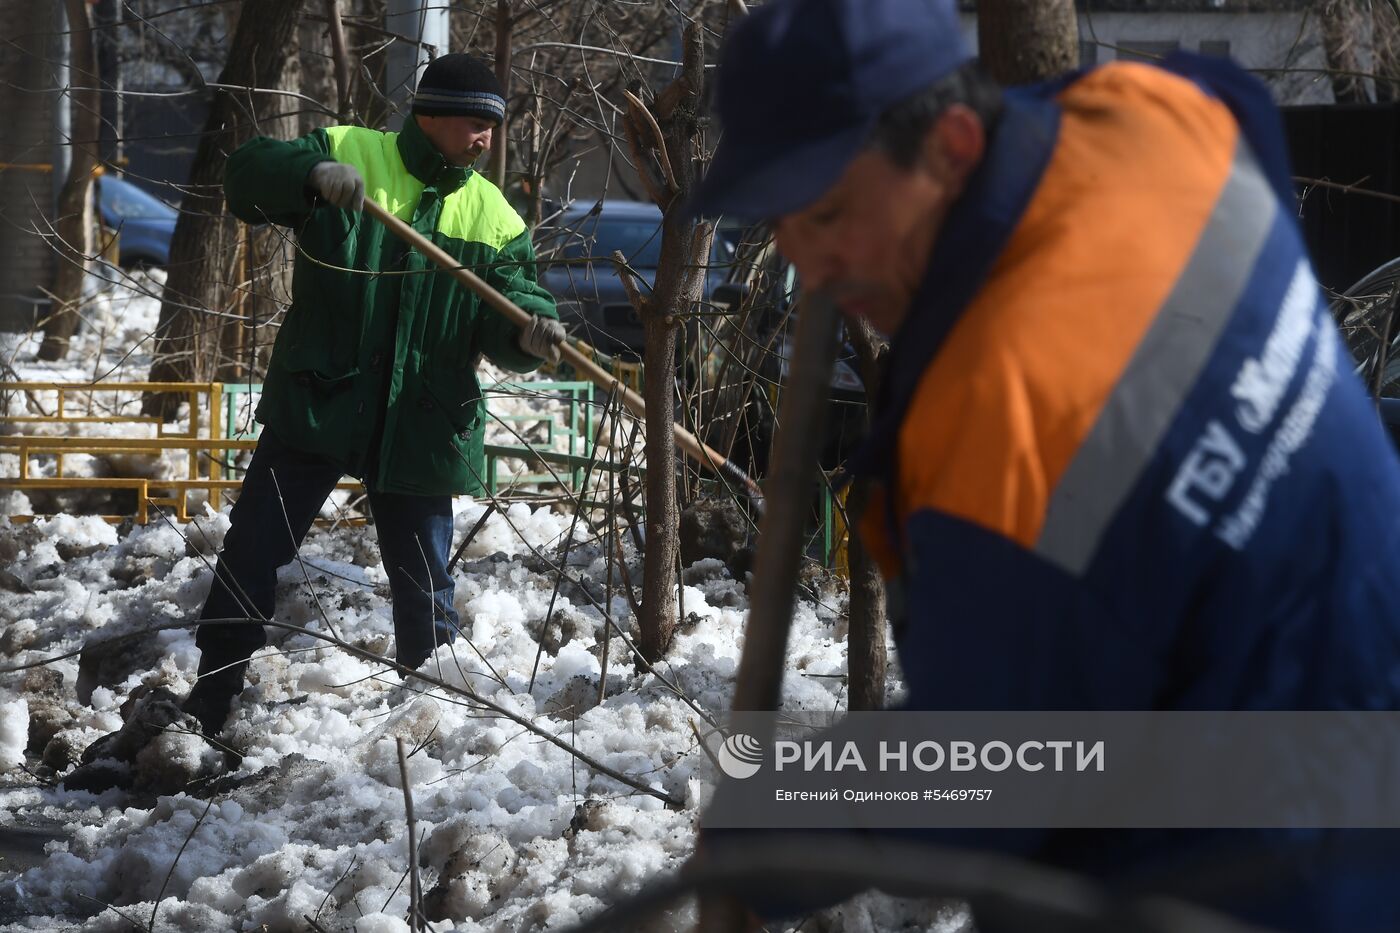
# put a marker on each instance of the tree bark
(264, 256)
(867, 649)
(680, 275)
(108, 18)
(1021, 41)
(496, 168)
(203, 250)
(314, 75)
(867, 653)
(1385, 40)
(1341, 40)
(341, 59)
(74, 225)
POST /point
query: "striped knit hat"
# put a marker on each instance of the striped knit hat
(459, 85)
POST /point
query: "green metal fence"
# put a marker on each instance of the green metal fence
(564, 407)
(569, 416)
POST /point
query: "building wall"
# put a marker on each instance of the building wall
(1258, 41)
(26, 194)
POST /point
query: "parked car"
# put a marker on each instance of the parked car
(143, 222)
(740, 372)
(577, 268)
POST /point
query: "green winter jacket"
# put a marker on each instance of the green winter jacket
(378, 342)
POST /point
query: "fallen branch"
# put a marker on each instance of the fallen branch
(471, 536)
(568, 543)
(415, 893)
(168, 875)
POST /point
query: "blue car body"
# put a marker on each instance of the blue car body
(576, 267)
(144, 222)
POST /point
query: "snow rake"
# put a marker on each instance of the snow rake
(692, 446)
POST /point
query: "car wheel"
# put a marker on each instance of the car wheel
(1361, 314)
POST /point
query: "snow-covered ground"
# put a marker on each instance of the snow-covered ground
(515, 832)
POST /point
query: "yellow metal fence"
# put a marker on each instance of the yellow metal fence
(212, 439)
(207, 449)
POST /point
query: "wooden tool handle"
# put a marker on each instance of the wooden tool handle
(693, 447)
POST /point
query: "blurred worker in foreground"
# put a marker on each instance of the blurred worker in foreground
(374, 369)
(1123, 461)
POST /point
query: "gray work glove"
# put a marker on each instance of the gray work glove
(541, 338)
(339, 184)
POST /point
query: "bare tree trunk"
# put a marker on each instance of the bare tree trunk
(74, 226)
(667, 143)
(1022, 41)
(1385, 41)
(261, 274)
(658, 619)
(867, 652)
(496, 169)
(341, 59)
(313, 74)
(203, 250)
(1341, 40)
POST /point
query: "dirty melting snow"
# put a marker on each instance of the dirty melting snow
(14, 732)
(515, 833)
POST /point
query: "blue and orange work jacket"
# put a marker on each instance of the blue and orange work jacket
(1123, 461)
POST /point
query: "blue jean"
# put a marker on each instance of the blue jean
(281, 495)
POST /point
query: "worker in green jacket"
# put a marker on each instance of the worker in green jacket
(374, 370)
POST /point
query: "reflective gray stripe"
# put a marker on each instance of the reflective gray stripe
(1162, 371)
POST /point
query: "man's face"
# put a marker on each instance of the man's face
(866, 241)
(461, 140)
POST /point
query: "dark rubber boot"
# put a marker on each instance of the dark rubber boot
(212, 698)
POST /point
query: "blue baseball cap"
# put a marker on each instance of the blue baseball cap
(801, 85)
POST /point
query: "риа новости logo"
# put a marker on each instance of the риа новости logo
(740, 756)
